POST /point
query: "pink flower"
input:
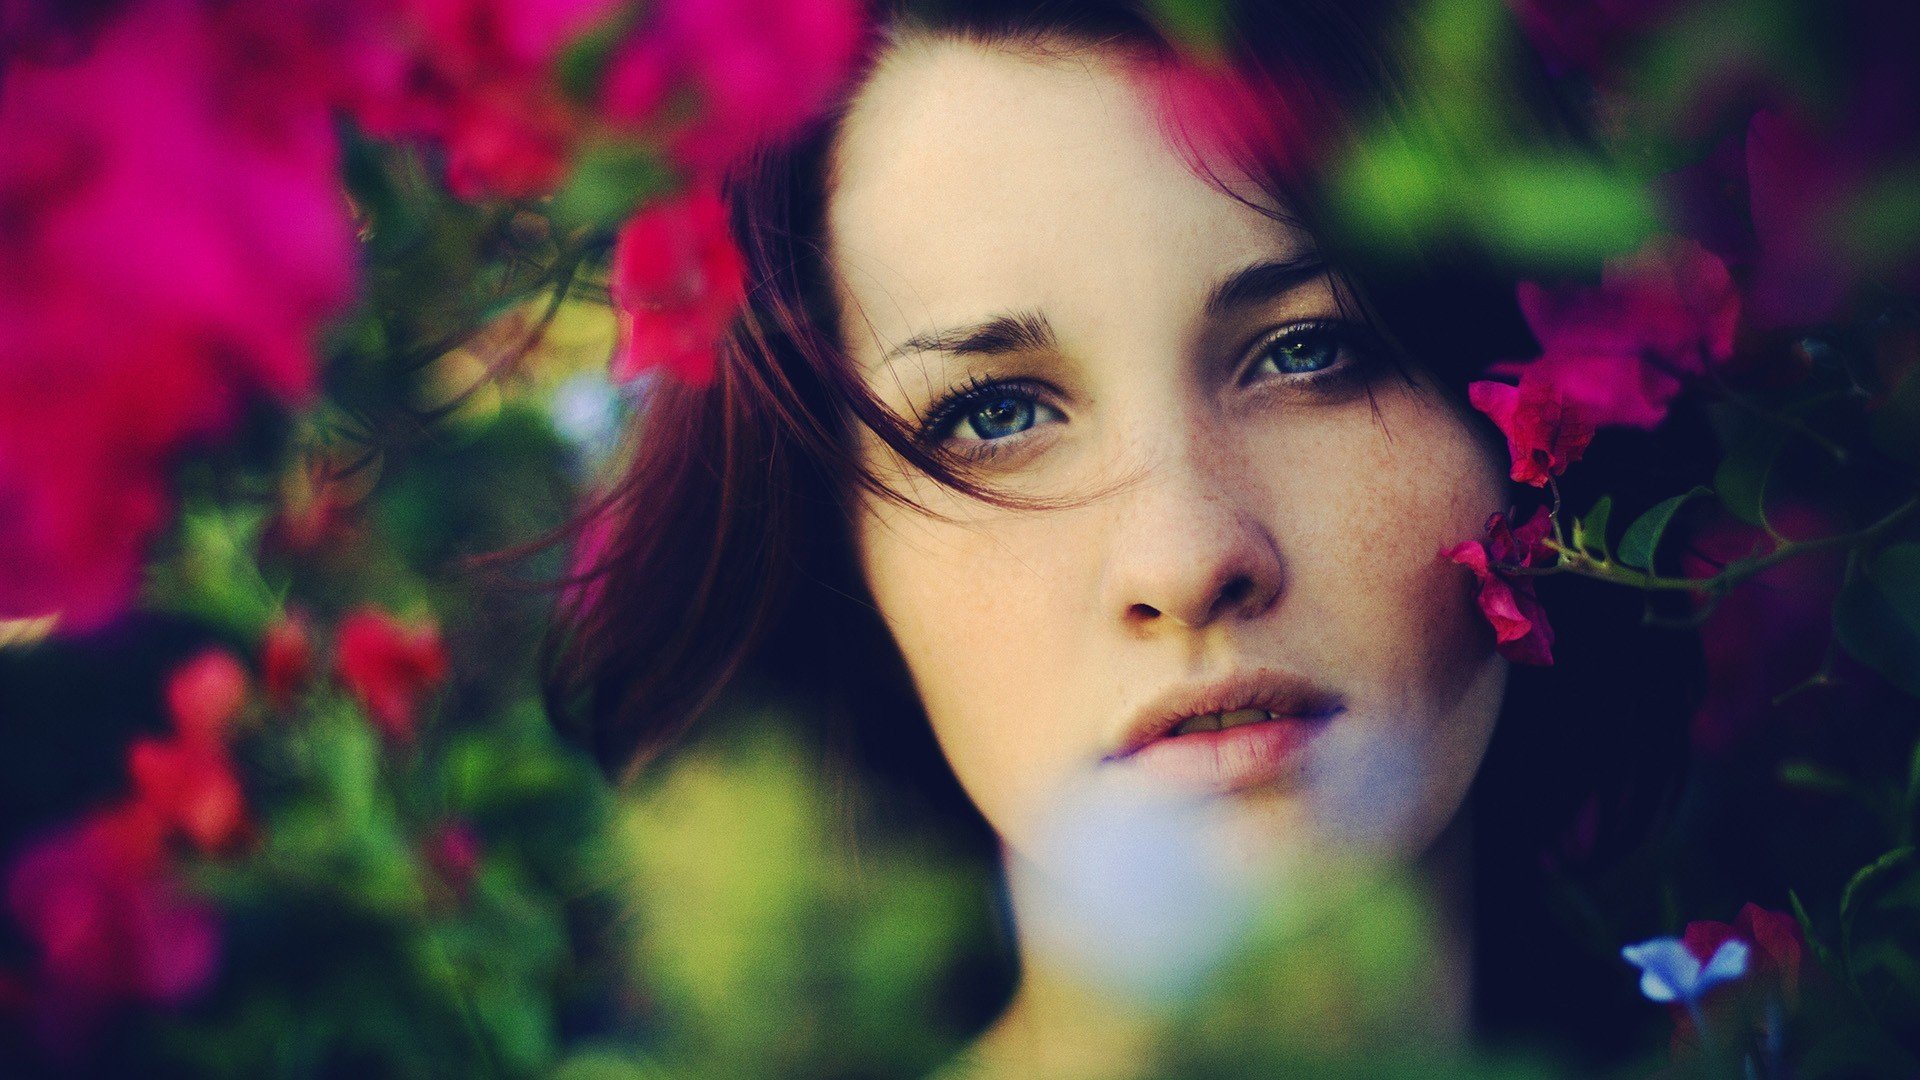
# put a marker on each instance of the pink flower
(286, 657)
(106, 920)
(206, 693)
(1776, 960)
(192, 787)
(757, 68)
(1545, 433)
(1520, 628)
(1621, 352)
(677, 283)
(478, 77)
(390, 666)
(175, 240)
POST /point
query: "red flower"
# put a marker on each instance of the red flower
(130, 333)
(206, 693)
(1776, 959)
(1622, 351)
(1544, 432)
(390, 667)
(1776, 946)
(1520, 628)
(286, 657)
(758, 68)
(677, 283)
(107, 922)
(477, 77)
(192, 787)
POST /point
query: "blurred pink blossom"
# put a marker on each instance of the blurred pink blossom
(1622, 351)
(479, 78)
(390, 666)
(677, 283)
(757, 68)
(174, 239)
(107, 921)
(206, 693)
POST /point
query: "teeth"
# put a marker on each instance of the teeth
(1220, 721)
(1209, 722)
(1243, 716)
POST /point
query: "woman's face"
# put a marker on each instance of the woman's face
(1030, 269)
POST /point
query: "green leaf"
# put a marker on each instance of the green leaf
(1820, 950)
(1810, 776)
(1850, 898)
(1741, 480)
(608, 183)
(1590, 532)
(1642, 538)
(1877, 616)
(1557, 210)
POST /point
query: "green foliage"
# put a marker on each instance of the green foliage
(1877, 616)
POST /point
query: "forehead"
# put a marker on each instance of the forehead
(971, 180)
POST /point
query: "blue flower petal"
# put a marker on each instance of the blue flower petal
(1727, 963)
(1668, 971)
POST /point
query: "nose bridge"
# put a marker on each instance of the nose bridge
(1189, 543)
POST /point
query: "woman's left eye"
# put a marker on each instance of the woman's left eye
(1301, 350)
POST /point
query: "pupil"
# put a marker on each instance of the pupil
(1304, 356)
(1006, 416)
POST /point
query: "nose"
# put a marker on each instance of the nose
(1190, 547)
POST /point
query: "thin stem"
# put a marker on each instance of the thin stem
(1579, 562)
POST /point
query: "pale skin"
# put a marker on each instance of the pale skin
(1254, 493)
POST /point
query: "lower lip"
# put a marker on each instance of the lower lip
(1233, 759)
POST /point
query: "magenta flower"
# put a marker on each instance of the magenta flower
(477, 77)
(757, 69)
(107, 921)
(677, 283)
(1520, 628)
(175, 239)
(1621, 352)
(1544, 432)
(391, 667)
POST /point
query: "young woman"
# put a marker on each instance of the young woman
(1067, 441)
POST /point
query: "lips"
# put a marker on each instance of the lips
(1241, 731)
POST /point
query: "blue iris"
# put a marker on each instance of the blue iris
(1300, 353)
(1001, 417)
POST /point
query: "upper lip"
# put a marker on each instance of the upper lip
(1279, 692)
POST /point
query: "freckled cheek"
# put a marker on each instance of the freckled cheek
(1370, 521)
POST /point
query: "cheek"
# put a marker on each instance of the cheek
(983, 617)
(1400, 625)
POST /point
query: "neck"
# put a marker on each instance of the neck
(1058, 1026)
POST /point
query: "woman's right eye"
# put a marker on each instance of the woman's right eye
(987, 412)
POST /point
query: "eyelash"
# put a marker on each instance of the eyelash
(951, 408)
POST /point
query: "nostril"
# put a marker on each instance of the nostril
(1235, 592)
(1144, 612)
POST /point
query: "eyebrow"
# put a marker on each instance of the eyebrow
(1026, 331)
(1263, 281)
(1030, 330)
